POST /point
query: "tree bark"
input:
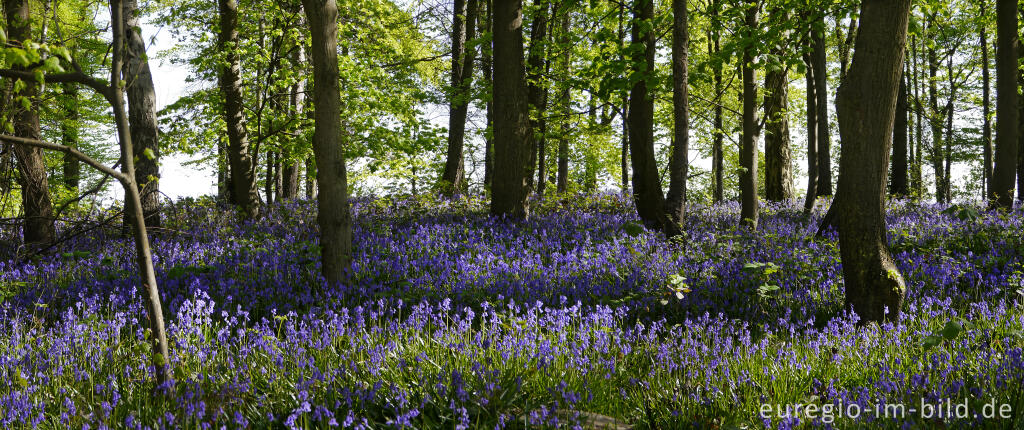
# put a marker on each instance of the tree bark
(718, 135)
(35, 193)
(1001, 184)
(812, 136)
(562, 181)
(453, 180)
(537, 90)
(986, 133)
(823, 138)
(936, 124)
(647, 194)
(486, 64)
(748, 140)
(69, 135)
(679, 162)
(778, 172)
(513, 137)
(133, 200)
(866, 106)
(898, 180)
(333, 212)
(142, 116)
(310, 178)
(243, 180)
(916, 179)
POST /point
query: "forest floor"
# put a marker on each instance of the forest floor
(456, 319)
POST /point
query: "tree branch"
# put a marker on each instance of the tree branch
(67, 150)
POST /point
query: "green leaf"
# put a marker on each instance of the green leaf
(633, 229)
(148, 152)
(930, 342)
(951, 330)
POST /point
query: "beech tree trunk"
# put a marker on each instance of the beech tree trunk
(986, 128)
(748, 139)
(69, 135)
(916, 179)
(486, 64)
(866, 106)
(513, 136)
(679, 162)
(142, 116)
(935, 121)
(453, 180)
(333, 212)
(243, 181)
(537, 90)
(778, 172)
(898, 180)
(650, 202)
(35, 193)
(718, 135)
(1000, 190)
(823, 139)
(310, 178)
(812, 136)
(562, 181)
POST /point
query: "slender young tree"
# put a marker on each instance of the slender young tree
(647, 193)
(333, 211)
(866, 106)
(777, 159)
(486, 64)
(898, 179)
(513, 135)
(748, 140)
(565, 99)
(142, 116)
(812, 136)
(453, 179)
(679, 163)
(986, 133)
(1000, 189)
(823, 139)
(718, 134)
(245, 192)
(537, 90)
(35, 193)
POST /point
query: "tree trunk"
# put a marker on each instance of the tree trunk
(223, 176)
(69, 135)
(624, 152)
(748, 140)
(243, 181)
(898, 181)
(915, 171)
(537, 90)
(142, 116)
(650, 202)
(333, 212)
(823, 138)
(487, 65)
(1001, 184)
(986, 133)
(453, 180)
(866, 106)
(133, 201)
(310, 178)
(268, 181)
(566, 100)
(844, 48)
(513, 137)
(778, 172)
(812, 136)
(35, 193)
(679, 162)
(290, 187)
(718, 134)
(936, 123)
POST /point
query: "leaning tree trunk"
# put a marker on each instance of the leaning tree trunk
(679, 162)
(650, 202)
(35, 192)
(243, 181)
(778, 173)
(898, 180)
(812, 137)
(748, 140)
(333, 212)
(1000, 189)
(823, 138)
(866, 106)
(513, 137)
(453, 180)
(69, 127)
(142, 117)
